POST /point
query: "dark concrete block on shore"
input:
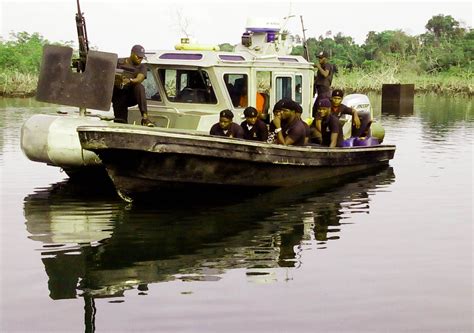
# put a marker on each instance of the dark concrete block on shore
(398, 98)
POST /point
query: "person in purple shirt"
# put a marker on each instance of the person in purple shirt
(226, 127)
(254, 128)
(289, 128)
(331, 129)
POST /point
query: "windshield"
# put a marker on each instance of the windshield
(187, 86)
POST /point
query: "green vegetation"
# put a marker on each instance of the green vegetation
(20, 60)
(440, 60)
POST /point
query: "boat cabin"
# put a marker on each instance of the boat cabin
(186, 88)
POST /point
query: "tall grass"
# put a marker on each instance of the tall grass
(365, 80)
(17, 84)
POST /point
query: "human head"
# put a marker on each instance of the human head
(336, 97)
(251, 114)
(322, 56)
(288, 108)
(324, 107)
(137, 54)
(225, 119)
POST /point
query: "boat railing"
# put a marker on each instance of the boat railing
(166, 108)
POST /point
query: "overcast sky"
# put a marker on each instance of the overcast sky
(115, 25)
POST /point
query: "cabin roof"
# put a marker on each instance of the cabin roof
(205, 58)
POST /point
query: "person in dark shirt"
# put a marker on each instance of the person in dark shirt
(322, 79)
(254, 128)
(337, 109)
(226, 127)
(299, 112)
(289, 128)
(331, 129)
(130, 90)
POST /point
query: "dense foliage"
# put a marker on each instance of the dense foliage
(444, 47)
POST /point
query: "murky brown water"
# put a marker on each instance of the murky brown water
(390, 251)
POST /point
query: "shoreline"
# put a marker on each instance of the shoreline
(24, 86)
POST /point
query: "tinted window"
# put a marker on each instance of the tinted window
(237, 87)
(187, 86)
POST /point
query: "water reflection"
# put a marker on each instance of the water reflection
(98, 247)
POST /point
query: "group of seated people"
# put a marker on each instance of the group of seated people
(287, 126)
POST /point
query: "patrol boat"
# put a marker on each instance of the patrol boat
(186, 88)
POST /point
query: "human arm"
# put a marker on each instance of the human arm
(333, 143)
(355, 118)
(324, 70)
(278, 134)
(138, 79)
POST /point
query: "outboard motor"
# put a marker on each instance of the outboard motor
(368, 127)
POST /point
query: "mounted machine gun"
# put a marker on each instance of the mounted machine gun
(89, 87)
(80, 64)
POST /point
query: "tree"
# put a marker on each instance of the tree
(442, 26)
(22, 53)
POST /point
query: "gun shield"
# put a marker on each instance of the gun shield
(59, 84)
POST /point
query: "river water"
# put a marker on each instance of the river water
(391, 251)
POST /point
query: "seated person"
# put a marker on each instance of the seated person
(244, 100)
(254, 128)
(276, 114)
(289, 129)
(338, 109)
(226, 127)
(262, 104)
(299, 112)
(331, 129)
(129, 90)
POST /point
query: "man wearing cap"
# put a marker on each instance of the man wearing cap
(254, 128)
(289, 128)
(323, 79)
(226, 127)
(130, 90)
(331, 129)
(338, 109)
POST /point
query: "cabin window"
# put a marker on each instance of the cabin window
(237, 86)
(231, 57)
(288, 59)
(181, 56)
(298, 88)
(151, 88)
(264, 79)
(187, 86)
(283, 87)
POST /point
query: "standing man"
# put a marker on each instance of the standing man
(226, 127)
(129, 90)
(323, 79)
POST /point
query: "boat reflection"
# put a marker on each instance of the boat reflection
(99, 247)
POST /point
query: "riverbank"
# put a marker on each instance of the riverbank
(441, 83)
(17, 84)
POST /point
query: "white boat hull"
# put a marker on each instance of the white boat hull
(53, 139)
